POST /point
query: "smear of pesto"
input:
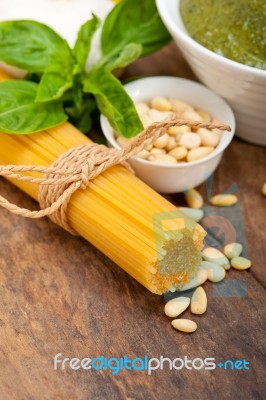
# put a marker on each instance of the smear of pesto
(235, 29)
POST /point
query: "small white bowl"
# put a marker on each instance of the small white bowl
(167, 178)
(242, 86)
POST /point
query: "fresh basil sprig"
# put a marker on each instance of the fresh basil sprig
(64, 89)
(20, 114)
(113, 101)
(133, 22)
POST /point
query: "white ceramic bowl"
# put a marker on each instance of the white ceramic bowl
(167, 178)
(243, 87)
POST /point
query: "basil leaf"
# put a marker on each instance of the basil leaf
(20, 114)
(131, 23)
(83, 43)
(56, 79)
(128, 55)
(113, 101)
(31, 45)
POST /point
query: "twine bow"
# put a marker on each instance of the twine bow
(75, 168)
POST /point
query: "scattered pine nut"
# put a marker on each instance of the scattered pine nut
(215, 272)
(240, 263)
(232, 250)
(199, 301)
(175, 307)
(184, 325)
(194, 213)
(194, 198)
(224, 200)
(214, 255)
(199, 279)
(263, 189)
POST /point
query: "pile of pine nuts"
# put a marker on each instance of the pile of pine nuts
(180, 143)
(213, 267)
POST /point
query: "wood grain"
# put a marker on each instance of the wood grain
(61, 295)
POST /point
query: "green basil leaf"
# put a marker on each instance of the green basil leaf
(31, 45)
(83, 43)
(113, 101)
(128, 55)
(131, 23)
(19, 114)
(56, 79)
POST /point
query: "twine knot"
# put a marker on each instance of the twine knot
(74, 169)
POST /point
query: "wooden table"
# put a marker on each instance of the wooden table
(60, 295)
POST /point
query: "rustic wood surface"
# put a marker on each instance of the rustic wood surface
(58, 294)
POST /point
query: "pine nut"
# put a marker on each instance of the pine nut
(204, 115)
(199, 301)
(171, 143)
(180, 142)
(232, 250)
(224, 200)
(162, 141)
(157, 151)
(240, 263)
(178, 130)
(175, 307)
(263, 189)
(216, 273)
(144, 154)
(191, 115)
(142, 108)
(161, 104)
(190, 140)
(208, 138)
(184, 325)
(199, 279)
(194, 198)
(214, 255)
(122, 141)
(199, 153)
(157, 116)
(146, 120)
(162, 158)
(178, 106)
(194, 213)
(179, 153)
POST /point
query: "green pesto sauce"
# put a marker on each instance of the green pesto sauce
(235, 29)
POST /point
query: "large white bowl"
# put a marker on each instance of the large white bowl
(167, 178)
(242, 86)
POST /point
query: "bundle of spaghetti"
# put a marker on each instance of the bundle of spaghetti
(137, 228)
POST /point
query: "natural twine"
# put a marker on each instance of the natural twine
(75, 168)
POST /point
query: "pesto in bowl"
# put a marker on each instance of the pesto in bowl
(232, 29)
